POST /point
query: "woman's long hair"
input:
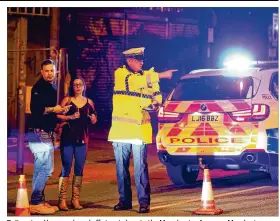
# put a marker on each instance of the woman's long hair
(71, 88)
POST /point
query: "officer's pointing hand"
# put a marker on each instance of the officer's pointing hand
(167, 74)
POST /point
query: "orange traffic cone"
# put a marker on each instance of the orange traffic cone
(207, 198)
(22, 204)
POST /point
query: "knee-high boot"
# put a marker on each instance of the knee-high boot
(62, 202)
(76, 190)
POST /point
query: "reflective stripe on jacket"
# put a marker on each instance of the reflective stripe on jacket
(133, 92)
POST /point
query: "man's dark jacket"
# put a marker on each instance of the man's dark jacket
(43, 94)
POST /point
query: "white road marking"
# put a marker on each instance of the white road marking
(217, 196)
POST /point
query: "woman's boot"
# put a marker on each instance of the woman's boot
(76, 190)
(63, 184)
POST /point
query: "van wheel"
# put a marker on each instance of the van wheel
(273, 167)
(273, 171)
(180, 176)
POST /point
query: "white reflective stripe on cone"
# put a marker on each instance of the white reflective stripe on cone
(207, 191)
(22, 199)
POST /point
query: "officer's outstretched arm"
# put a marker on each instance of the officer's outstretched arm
(150, 78)
(167, 74)
(141, 81)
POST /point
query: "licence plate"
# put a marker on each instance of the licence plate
(206, 118)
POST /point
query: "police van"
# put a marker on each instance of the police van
(227, 117)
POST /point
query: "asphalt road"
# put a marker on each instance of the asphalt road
(237, 193)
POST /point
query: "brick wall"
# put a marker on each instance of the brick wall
(101, 38)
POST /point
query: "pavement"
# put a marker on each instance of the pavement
(98, 143)
(99, 169)
(100, 176)
(98, 139)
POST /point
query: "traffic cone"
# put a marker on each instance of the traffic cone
(22, 204)
(207, 198)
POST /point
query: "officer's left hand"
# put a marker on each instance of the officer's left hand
(151, 108)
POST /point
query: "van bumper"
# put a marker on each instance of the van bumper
(246, 160)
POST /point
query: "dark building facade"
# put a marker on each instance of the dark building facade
(95, 39)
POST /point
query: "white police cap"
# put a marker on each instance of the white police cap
(134, 53)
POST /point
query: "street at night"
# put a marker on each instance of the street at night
(237, 193)
(185, 97)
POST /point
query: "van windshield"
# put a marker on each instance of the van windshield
(213, 88)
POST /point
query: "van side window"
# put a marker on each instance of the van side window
(273, 87)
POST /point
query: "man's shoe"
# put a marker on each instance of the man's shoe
(122, 206)
(54, 207)
(41, 209)
(144, 209)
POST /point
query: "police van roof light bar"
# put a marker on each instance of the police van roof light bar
(264, 62)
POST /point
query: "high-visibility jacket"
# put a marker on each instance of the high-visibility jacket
(133, 92)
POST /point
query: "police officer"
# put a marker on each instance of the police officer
(43, 113)
(135, 91)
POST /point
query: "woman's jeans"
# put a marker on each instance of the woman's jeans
(67, 152)
(40, 144)
(122, 153)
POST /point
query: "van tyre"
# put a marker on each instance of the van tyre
(179, 175)
(273, 167)
(273, 171)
